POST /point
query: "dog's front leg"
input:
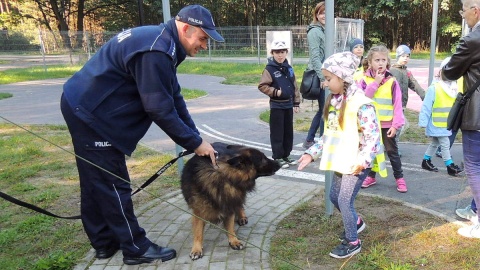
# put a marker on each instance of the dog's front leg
(233, 241)
(198, 226)
(242, 218)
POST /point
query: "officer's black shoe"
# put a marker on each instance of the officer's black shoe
(453, 169)
(105, 253)
(427, 165)
(154, 252)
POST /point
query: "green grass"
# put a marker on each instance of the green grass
(37, 172)
(234, 73)
(396, 238)
(5, 95)
(37, 73)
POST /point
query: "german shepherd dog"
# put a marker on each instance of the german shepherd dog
(217, 194)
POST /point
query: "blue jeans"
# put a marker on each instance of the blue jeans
(342, 194)
(471, 157)
(317, 121)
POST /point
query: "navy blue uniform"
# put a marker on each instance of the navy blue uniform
(108, 106)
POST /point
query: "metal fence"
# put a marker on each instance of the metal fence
(241, 41)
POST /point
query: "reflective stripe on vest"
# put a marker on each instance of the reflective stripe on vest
(383, 98)
(441, 106)
(340, 147)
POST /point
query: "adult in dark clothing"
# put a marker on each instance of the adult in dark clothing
(110, 104)
(465, 62)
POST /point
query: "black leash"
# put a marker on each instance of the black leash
(45, 212)
(162, 170)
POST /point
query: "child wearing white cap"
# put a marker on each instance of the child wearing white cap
(278, 82)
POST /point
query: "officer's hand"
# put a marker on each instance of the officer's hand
(206, 149)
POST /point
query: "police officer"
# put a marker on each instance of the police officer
(110, 104)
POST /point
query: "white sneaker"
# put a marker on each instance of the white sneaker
(466, 213)
(470, 231)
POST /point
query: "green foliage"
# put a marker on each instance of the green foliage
(55, 261)
(16, 41)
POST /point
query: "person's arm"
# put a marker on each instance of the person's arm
(316, 49)
(398, 117)
(370, 133)
(155, 76)
(265, 85)
(369, 89)
(297, 99)
(460, 62)
(413, 84)
(427, 105)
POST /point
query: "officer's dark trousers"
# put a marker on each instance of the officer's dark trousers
(106, 204)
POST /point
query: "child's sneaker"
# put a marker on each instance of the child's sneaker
(346, 249)
(283, 164)
(360, 227)
(369, 181)
(453, 169)
(401, 185)
(290, 161)
(470, 231)
(466, 213)
(428, 165)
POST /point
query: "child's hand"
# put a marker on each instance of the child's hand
(279, 92)
(304, 160)
(391, 132)
(379, 76)
(358, 169)
(296, 109)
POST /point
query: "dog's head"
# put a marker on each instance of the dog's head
(249, 160)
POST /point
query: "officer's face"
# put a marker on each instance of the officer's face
(195, 39)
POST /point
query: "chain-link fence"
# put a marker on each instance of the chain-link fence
(241, 41)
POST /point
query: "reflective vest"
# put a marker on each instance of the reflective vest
(358, 75)
(383, 98)
(441, 106)
(340, 145)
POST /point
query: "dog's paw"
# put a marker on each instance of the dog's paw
(236, 245)
(242, 221)
(195, 254)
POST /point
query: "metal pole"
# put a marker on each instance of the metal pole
(329, 39)
(166, 10)
(141, 17)
(258, 44)
(166, 18)
(433, 39)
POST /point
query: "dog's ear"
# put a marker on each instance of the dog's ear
(237, 161)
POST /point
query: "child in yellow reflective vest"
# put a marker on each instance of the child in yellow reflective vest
(349, 146)
(379, 85)
(433, 117)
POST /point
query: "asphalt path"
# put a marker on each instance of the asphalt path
(230, 113)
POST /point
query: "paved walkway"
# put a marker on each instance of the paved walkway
(235, 119)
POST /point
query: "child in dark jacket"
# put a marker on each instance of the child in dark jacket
(278, 82)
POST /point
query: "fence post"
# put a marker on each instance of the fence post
(258, 44)
(42, 49)
(87, 40)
